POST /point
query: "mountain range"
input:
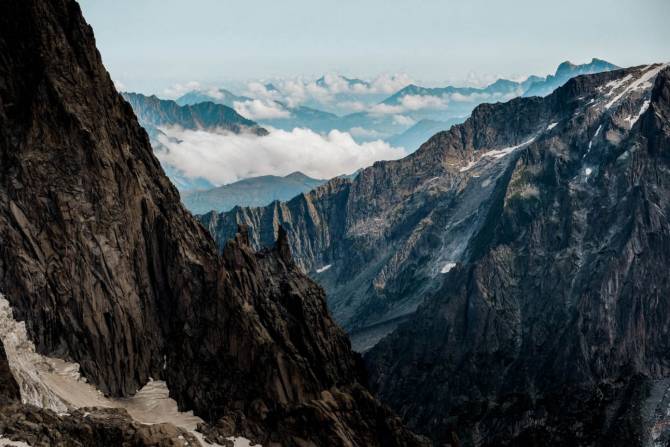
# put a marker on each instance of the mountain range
(120, 322)
(155, 114)
(399, 112)
(458, 102)
(199, 194)
(255, 191)
(213, 110)
(506, 283)
(507, 280)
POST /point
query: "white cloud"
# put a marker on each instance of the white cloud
(420, 102)
(334, 92)
(411, 103)
(178, 90)
(337, 84)
(223, 157)
(259, 110)
(297, 91)
(386, 109)
(390, 83)
(354, 106)
(476, 79)
(259, 91)
(362, 132)
(403, 120)
(479, 97)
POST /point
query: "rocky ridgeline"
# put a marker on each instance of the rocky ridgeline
(153, 113)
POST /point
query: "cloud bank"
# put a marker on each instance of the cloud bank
(224, 158)
(178, 90)
(257, 109)
(329, 89)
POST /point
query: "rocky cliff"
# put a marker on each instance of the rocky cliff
(536, 237)
(553, 330)
(107, 269)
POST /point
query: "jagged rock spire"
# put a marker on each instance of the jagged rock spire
(283, 247)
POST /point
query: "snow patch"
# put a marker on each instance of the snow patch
(597, 131)
(58, 385)
(500, 153)
(640, 82)
(324, 268)
(447, 267)
(588, 171)
(486, 183)
(551, 126)
(468, 166)
(8, 442)
(593, 138)
(633, 119)
(613, 85)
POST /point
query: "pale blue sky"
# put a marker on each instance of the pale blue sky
(151, 44)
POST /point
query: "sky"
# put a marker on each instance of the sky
(149, 45)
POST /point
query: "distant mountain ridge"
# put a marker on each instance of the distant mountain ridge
(218, 96)
(531, 86)
(251, 192)
(420, 132)
(154, 113)
(564, 73)
(404, 127)
(397, 113)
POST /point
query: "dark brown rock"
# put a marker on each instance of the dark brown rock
(9, 389)
(107, 269)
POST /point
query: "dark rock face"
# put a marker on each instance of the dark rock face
(107, 269)
(554, 331)
(9, 389)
